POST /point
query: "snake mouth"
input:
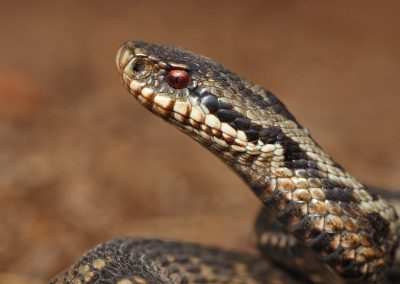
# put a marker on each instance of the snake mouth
(183, 114)
(160, 103)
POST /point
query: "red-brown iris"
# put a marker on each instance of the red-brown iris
(178, 79)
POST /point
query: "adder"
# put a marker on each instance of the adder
(318, 223)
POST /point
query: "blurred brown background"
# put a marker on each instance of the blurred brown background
(81, 162)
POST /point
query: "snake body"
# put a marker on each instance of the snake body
(319, 224)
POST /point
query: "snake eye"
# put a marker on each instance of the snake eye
(139, 68)
(178, 79)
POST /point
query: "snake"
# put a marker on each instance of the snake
(318, 224)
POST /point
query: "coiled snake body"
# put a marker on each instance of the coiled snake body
(319, 223)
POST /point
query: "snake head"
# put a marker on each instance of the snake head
(161, 82)
(200, 96)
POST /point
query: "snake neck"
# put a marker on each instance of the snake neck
(314, 198)
(353, 230)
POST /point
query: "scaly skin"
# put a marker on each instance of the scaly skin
(349, 233)
(139, 261)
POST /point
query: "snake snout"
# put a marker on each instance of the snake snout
(124, 55)
(162, 87)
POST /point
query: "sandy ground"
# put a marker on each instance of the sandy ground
(81, 162)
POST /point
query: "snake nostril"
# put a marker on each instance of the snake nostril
(138, 68)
